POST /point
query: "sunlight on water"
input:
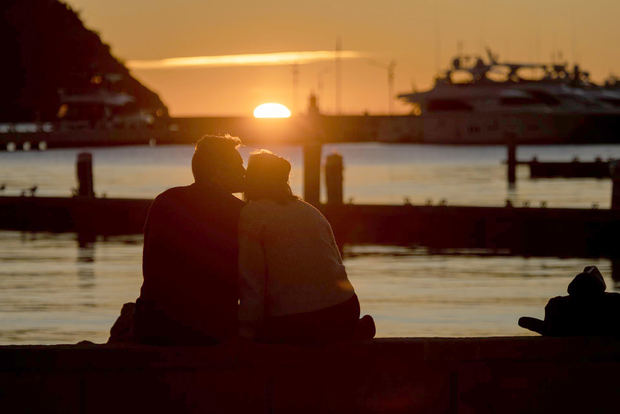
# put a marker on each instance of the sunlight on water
(53, 291)
(374, 173)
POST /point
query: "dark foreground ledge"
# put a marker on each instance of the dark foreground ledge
(511, 374)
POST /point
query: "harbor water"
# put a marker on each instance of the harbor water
(54, 291)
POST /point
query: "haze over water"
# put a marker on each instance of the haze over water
(52, 291)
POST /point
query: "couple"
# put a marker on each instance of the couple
(216, 268)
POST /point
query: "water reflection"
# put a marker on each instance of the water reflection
(85, 264)
(54, 290)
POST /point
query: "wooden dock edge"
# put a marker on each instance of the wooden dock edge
(439, 375)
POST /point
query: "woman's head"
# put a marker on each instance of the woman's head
(267, 178)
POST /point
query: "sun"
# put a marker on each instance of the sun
(271, 110)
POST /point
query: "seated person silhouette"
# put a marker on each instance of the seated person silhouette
(587, 310)
(189, 294)
(293, 285)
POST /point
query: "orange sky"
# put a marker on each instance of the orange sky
(418, 35)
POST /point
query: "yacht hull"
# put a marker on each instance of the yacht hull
(525, 128)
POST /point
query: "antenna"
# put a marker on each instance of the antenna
(338, 85)
(295, 69)
(319, 83)
(390, 67)
(573, 36)
(437, 39)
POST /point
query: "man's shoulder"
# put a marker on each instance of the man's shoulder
(192, 195)
(172, 193)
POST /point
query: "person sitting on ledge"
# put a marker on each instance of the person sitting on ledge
(293, 285)
(189, 295)
(587, 310)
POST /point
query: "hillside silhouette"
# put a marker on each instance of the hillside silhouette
(46, 49)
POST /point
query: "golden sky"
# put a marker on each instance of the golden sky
(419, 35)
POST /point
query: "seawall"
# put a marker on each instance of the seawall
(413, 375)
(526, 231)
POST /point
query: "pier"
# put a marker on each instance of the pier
(523, 231)
(299, 129)
(568, 169)
(400, 375)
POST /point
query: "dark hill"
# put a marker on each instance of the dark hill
(45, 48)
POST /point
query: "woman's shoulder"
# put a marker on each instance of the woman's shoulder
(258, 209)
(257, 205)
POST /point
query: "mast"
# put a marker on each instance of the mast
(338, 84)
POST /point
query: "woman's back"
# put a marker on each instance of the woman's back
(291, 246)
(293, 287)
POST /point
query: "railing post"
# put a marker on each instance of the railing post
(84, 170)
(312, 173)
(511, 159)
(334, 179)
(614, 170)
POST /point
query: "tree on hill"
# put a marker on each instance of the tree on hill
(46, 49)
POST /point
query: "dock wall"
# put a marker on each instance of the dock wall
(183, 131)
(523, 231)
(471, 375)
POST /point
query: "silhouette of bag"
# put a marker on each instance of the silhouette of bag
(123, 329)
(587, 310)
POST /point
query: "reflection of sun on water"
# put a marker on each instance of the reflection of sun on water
(271, 110)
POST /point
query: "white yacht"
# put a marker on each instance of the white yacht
(478, 102)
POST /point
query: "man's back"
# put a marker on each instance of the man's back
(189, 294)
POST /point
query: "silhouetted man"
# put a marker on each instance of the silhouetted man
(189, 294)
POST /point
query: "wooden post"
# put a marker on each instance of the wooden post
(312, 173)
(511, 160)
(615, 270)
(84, 170)
(333, 178)
(614, 170)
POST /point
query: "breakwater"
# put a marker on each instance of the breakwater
(295, 130)
(524, 231)
(413, 375)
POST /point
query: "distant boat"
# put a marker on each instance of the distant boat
(96, 116)
(478, 102)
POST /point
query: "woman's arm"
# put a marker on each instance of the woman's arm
(252, 273)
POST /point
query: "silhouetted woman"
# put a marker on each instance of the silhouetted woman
(293, 284)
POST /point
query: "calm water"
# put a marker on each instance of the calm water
(52, 291)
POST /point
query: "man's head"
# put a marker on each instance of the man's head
(217, 162)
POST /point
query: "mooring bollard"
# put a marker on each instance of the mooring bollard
(615, 269)
(312, 173)
(84, 170)
(334, 178)
(511, 160)
(614, 172)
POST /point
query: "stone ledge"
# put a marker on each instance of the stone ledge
(507, 374)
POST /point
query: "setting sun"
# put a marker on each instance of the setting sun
(271, 110)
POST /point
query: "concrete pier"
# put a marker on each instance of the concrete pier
(405, 375)
(572, 169)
